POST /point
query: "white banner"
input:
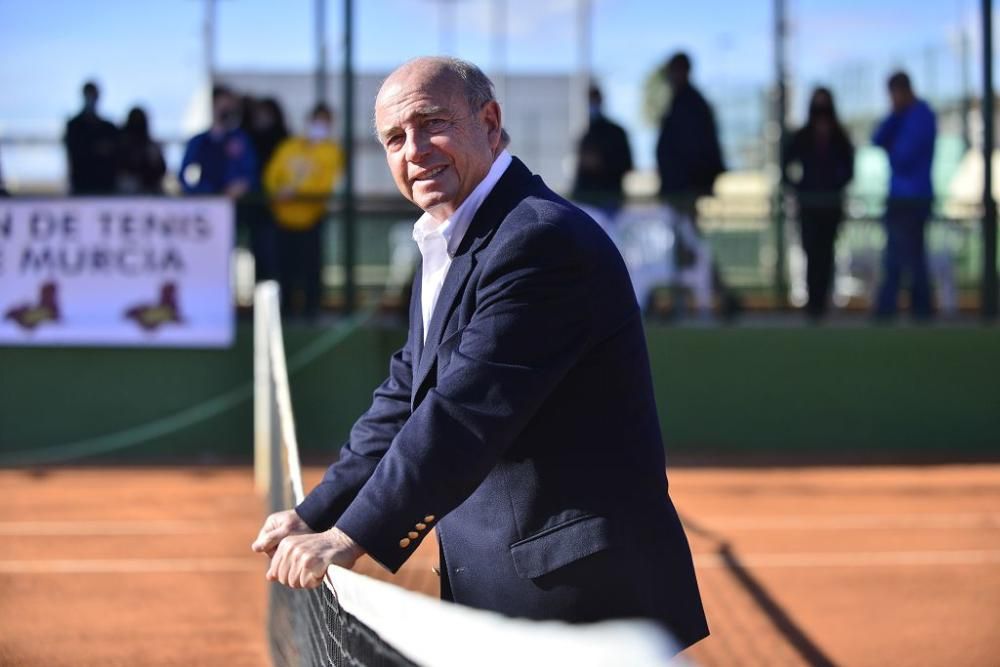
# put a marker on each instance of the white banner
(143, 271)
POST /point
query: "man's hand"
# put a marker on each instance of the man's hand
(277, 527)
(300, 561)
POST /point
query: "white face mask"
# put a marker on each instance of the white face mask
(318, 131)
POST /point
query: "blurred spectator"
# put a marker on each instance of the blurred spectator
(603, 159)
(689, 159)
(140, 160)
(91, 148)
(266, 127)
(300, 179)
(824, 157)
(264, 122)
(908, 136)
(3, 188)
(220, 160)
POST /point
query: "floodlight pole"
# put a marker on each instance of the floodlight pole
(965, 106)
(579, 91)
(988, 305)
(347, 214)
(319, 18)
(781, 101)
(208, 40)
(499, 22)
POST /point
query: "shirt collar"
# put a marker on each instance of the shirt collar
(453, 229)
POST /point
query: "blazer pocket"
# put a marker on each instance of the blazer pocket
(560, 545)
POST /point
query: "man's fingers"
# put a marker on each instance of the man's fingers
(309, 579)
(277, 527)
(284, 564)
(266, 540)
(272, 568)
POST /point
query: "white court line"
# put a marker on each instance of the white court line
(131, 565)
(856, 559)
(82, 528)
(850, 521)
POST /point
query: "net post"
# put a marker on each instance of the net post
(264, 300)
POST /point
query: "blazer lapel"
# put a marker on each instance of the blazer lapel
(451, 291)
(493, 210)
(416, 319)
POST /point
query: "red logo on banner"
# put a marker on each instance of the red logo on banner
(30, 315)
(151, 316)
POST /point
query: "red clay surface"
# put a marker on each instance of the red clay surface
(847, 566)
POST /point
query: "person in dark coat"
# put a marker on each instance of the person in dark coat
(518, 420)
(91, 148)
(825, 158)
(264, 122)
(140, 160)
(3, 188)
(603, 159)
(688, 154)
(689, 159)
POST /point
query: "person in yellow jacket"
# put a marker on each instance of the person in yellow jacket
(300, 179)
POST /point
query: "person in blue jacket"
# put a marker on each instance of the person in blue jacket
(220, 160)
(518, 420)
(908, 136)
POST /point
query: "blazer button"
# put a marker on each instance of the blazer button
(429, 518)
(412, 535)
(403, 543)
(421, 526)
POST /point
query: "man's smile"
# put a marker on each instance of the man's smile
(428, 174)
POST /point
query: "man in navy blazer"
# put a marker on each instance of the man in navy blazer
(519, 418)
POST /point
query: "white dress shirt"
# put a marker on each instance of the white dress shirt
(439, 241)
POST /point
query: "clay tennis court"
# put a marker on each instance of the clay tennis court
(846, 566)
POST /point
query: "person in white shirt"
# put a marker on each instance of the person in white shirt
(518, 420)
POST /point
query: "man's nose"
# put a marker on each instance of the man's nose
(417, 146)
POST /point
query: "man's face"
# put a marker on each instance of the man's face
(225, 110)
(677, 77)
(900, 98)
(437, 148)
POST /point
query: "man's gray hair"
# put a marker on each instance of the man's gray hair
(478, 89)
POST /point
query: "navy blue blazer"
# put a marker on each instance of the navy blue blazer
(524, 430)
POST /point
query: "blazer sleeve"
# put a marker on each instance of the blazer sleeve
(370, 438)
(530, 326)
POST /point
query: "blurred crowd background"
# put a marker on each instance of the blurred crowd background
(803, 153)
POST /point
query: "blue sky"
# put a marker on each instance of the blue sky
(149, 51)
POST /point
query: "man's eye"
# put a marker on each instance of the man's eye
(394, 140)
(435, 124)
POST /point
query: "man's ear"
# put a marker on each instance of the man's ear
(490, 115)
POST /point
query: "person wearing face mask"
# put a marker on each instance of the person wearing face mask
(91, 148)
(603, 159)
(299, 179)
(819, 163)
(220, 160)
(140, 160)
(264, 123)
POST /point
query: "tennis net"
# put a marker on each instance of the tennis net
(356, 621)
